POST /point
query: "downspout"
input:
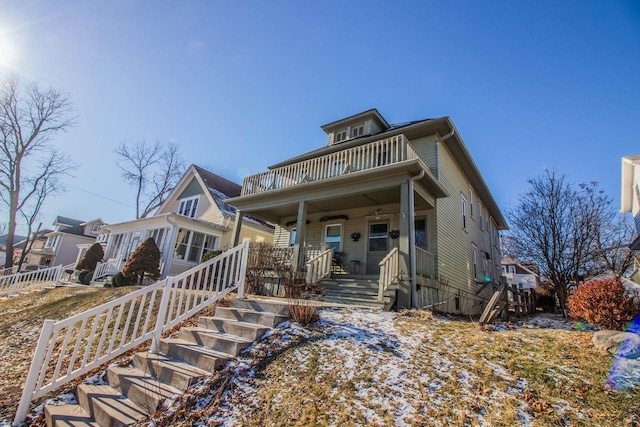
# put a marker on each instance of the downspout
(412, 239)
(168, 250)
(438, 140)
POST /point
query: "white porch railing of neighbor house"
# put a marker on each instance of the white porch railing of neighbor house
(369, 156)
(425, 263)
(107, 268)
(389, 272)
(69, 348)
(31, 280)
(9, 271)
(319, 267)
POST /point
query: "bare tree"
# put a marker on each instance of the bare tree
(557, 225)
(612, 245)
(153, 170)
(27, 123)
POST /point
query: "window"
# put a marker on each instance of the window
(357, 131)
(421, 233)
(485, 268)
(95, 228)
(456, 302)
(473, 216)
(463, 207)
(51, 242)
(340, 136)
(379, 237)
(480, 214)
(158, 237)
(475, 261)
(333, 237)
(512, 269)
(504, 270)
(188, 207)
(191, 245)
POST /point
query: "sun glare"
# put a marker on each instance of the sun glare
(8, 53)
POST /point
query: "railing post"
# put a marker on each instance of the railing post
(34, 372)
(162, 313)
(243, 269)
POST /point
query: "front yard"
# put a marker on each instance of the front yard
(361, 367)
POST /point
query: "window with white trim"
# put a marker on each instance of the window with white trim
(188, 207)
(158, 237)
(512, 269)
(340, 136)
(191, 245)
(357, 131)
(471, 212)
(463, 208)
(333, 237)
(51, 242)
(95, 228)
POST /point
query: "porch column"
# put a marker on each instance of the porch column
(237, 226)
(108, 247)
(301, 232)
(404, 292)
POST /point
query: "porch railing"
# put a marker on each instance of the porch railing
(319, 267)
(69, 348)
(109, 267)
(425, 263)
(31, 280)
(389, 272)
(387, 151)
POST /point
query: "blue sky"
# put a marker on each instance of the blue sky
(242, 85)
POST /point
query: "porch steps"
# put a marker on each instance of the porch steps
(354, 290)
(134, 393)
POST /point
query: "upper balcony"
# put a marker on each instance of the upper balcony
(377, 154)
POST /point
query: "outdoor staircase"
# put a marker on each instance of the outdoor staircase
(135, 393)
(357, 290)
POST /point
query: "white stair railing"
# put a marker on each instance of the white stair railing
(69, 348)
(319, 267)
(30, 280)
(389, 272)
(425, 263)
(9, 271)
(107, 268)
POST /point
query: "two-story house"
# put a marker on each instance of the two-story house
(405, 203)
(195, 219)
(61, 246)
(520, 275)
(630, 200)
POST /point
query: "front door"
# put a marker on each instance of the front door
(377, 246)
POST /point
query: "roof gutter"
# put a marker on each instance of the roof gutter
(442, 138)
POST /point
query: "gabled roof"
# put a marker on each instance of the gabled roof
(17, 239)
(97, 220)
(218, 190)
(372, 113)
(441, 126)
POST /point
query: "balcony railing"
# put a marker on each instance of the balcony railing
(384, 152)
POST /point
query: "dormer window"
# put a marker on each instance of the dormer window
(188, 207)
(340, 136)
(95, 228)
(357, 131)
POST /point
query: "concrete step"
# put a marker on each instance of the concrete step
(108, 407)
(206, 359)
(364, 302)
(365, 293)
(233, 327)
(225, 343)
(144, 391)
(276, 307)
(68, 416)
(170, 371)
(247, 315)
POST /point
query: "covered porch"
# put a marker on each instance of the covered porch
(370, 213)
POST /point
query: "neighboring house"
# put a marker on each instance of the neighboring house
(39, 242)
(520, 275)
(17, 240)
(630, 201)
(61, 246)
(195, 219)
(375, 187)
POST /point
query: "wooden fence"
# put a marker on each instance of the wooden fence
(509, 300)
